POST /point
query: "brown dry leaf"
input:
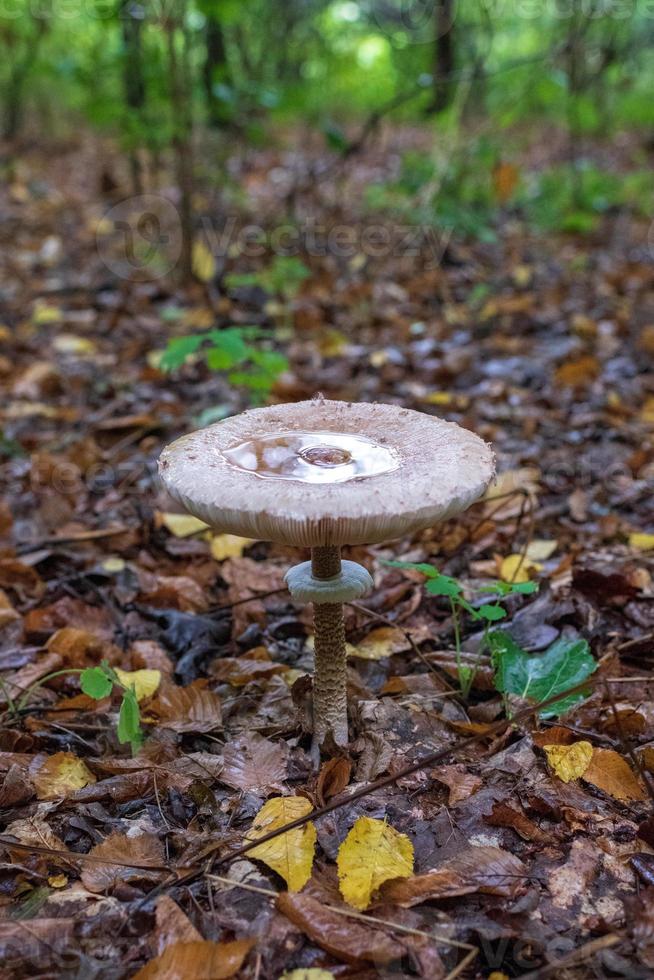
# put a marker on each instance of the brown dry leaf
(7, 612)
(578, 373)
(60, 775)
(505, 181)
(177, 592)
(172, 925)
(611, 773)
(201, 960)
(21, 940)
(20, 578)
(78, 648)
(255, 764)
(486, 869)
(333, 778)
(503, 815)
(460, 783)
(138, 858)
(186, 709)
(343, 938)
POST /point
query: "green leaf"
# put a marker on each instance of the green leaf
(491, 613)
(443, 585)
(179, 348)
(539, 676)
(129, 720)
(95, 683)
(523, 588)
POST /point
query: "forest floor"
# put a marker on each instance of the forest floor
(109, 861)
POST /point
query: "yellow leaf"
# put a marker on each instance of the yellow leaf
(44, 315)
(145, 682)
(113, 564)
(290, 854)
(379, 643)
(68, 343)
(541, 549)
(373, 852)
(204, 264)
(611, 773)
(58, 881)
(641, 541)
(497, 975)
(569, 761)
(647, 411)
(181, 525)
(229, 546)
(516, 568)
(60, 775)
(307, 973)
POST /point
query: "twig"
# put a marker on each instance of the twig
(587, 950)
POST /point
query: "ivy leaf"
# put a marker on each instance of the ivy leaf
(539, 676)
(95, 683)
(491, 613)
(129, 720)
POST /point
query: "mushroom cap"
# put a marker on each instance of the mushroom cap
(327, 472)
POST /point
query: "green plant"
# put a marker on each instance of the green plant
(99, 682)
(9, 447)
(488, 613)
(283, 277)
(233, 351)
(96, 682)
(539, 676)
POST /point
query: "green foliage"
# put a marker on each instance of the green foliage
(539, 676)
(234, 352)
(98, 683)
(572, 198)
(445, 585)
(282, 277)
(9, 448)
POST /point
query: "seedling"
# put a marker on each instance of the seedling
(97, 683)
(320, 475)
(488, 613)
(234, 352)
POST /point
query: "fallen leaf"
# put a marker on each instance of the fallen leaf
(487, 869)
(373, 852)
(144, 682)
(180, 525)
(172, 925)
(60, 775)
(611, 773)
(460, 783)
(505, 181)
(203, 262)
(577, 373)
(229, 546)
(307, 973)
(201, 960)
(503, 815)
(255, 764)
(333, 778)
(343, 938)
(290, 854)
(379, 643)
(186, 709)
(641, 541)
(540, 549)
(569, 762)
(517, 568)
(123, 858)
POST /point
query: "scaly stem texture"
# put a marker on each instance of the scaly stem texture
(330, 675)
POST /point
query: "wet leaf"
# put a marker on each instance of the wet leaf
(290, 854)
(539, 676)
(202, 960)
(373, 852)
(569, 762)
(60, 776)
(343, 938)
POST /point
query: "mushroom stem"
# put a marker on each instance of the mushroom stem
(330, 673)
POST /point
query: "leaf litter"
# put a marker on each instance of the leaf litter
(520, 836)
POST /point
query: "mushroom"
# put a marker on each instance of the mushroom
(321, 474)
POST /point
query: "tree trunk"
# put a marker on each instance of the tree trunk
(182, 142)
(444, 55)
(216, 71)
